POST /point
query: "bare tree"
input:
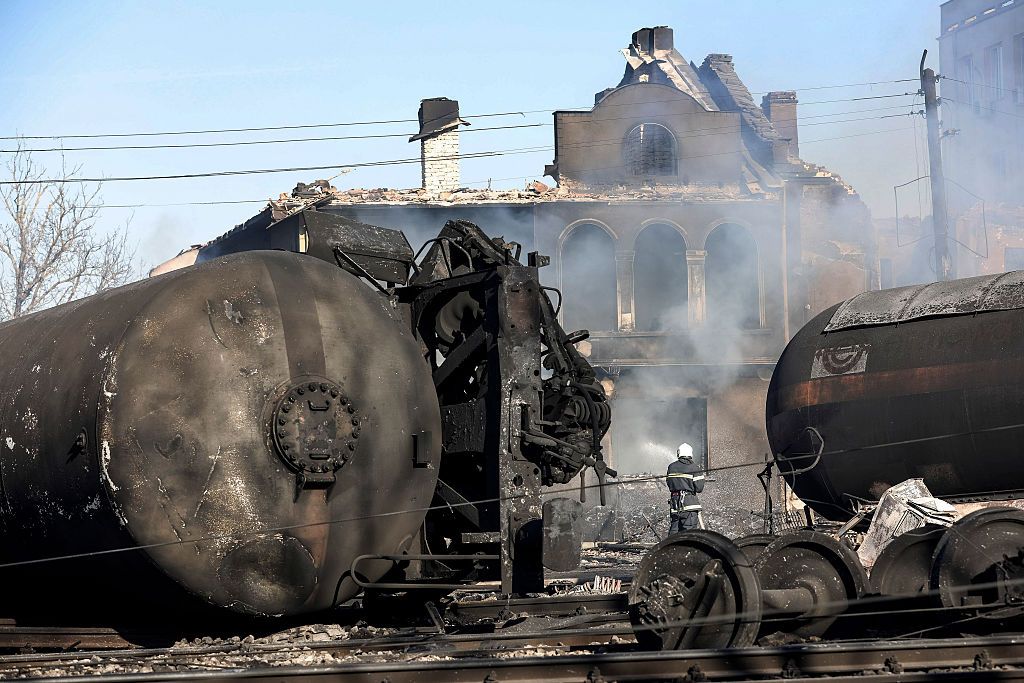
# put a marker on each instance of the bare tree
(50, 252)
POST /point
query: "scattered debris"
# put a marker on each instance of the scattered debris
(905, 506)
(600, 584)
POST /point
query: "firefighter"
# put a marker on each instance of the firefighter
(685, 481)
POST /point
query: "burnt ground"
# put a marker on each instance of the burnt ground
(637, 512)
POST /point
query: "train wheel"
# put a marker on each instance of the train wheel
(979, 562)
(904, 566)
(807, 578)
(754, 544)
(695, 590)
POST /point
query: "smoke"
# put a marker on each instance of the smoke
(982, 149)
(658, 451)
(421, 223)
(588, 283)
(660, 277)
(687, 343)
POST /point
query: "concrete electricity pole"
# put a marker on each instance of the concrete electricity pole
(940, 217)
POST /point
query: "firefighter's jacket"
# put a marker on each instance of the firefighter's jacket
(685, 481)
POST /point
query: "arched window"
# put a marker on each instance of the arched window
(588, 280)
(659, 279)
(650, 149)
(730, 278)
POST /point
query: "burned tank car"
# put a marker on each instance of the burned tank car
(924, 381)
(232, 435)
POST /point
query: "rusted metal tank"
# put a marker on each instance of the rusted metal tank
(924, 381)
(232, 435)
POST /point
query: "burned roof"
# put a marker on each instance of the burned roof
(651, 57)
(535, 192)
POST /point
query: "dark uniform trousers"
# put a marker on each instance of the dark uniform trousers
(685, 481)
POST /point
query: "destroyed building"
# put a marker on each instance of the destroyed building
(685, 233)
(981, 51)
(981, 88)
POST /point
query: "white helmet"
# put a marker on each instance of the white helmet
(684, 452)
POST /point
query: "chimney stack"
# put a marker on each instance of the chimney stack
(780, 108)
(439, 144)
(647, 40)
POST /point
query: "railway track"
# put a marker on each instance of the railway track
(562, 623)
(997, 658)
(442, 645)
(567, 637)
(590, 607)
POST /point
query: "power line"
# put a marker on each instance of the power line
(257, 171)
(494, 153)
(847, 85)
(390, 162)
(979, 106)
(240, 143)
(400, 135)
(237, 130)
(389, 135)
(858, 99)
(211, 131)
(998, 88)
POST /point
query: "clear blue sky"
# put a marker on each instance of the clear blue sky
(105, 67)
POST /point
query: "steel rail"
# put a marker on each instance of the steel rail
(461, 644)
(955, 659)
(79, 640)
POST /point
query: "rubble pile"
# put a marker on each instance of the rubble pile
(323, 193)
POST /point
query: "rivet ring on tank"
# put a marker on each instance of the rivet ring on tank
(315, 427)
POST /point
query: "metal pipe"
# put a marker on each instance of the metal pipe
(789, 600)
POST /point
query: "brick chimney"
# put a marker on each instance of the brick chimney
(439, 144)
(780, 108)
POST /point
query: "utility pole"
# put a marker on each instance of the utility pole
(940, 216)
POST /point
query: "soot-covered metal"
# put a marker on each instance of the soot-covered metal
(139, 420)
(916, 382)
(270, 432)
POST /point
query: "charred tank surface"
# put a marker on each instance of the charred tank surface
(232, 434)
(520, 408)
(924, 381)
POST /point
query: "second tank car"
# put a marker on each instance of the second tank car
(924, 381)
